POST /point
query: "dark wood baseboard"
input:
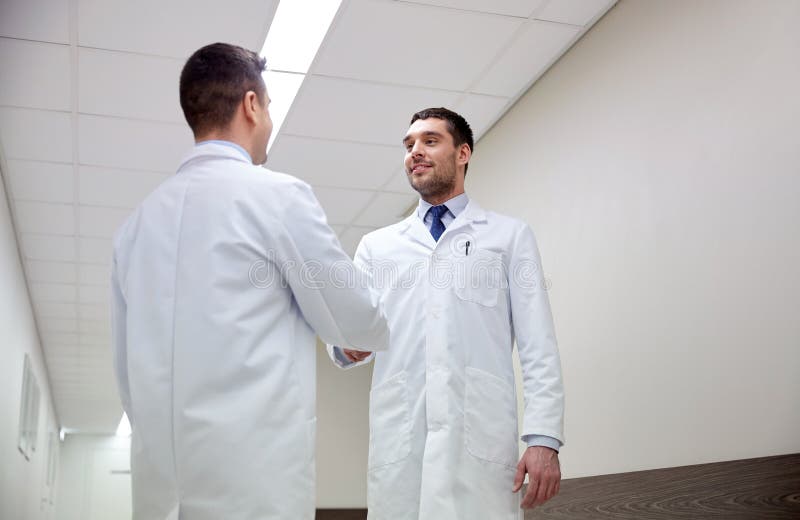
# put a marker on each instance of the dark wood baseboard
(766, 488)
(341, 514)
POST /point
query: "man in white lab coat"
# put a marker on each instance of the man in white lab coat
(460, 284)
(221, 281)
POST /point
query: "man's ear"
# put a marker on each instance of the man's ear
(464, 153)
(250, 104)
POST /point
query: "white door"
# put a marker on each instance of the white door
(110, 486)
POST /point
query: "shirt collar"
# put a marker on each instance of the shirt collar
(455, 205)
(228, 144)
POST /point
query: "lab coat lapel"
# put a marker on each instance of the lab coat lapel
(415, 229)
(473, 213)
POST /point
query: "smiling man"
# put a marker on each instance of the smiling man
(460, 284)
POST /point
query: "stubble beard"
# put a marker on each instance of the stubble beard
(441, 181)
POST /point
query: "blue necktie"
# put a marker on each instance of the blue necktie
(437, 226)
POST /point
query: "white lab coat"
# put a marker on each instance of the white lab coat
(214, 348)
(443, 414)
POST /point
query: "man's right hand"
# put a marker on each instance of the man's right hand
(355, 355)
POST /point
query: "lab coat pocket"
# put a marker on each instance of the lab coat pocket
(390, 422)
(490, 418)
(478, 277)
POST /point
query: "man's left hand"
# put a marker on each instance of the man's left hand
(544, 475)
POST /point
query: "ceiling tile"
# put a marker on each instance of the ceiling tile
(69, 347)
(148, 84)
(25, 131)
(83, 376)
(83, 372)
(96, 327)
(98, 294)
(56, 310)
(102, 416)
(481, 111)
(44, 20)
(59, 272)
(352, 236)
(62, 362)
(398, 182)
(100, 222)
(94, 250)
(575, 12)
(341, 205)
(385, 209)
(120, 188)
(91, 340)
(49, 247)
(176, 28)
(35, 74)
(393, 42)
(41, 181)
(138, 145)
(77, 376)
(364, 112)
(342, 164)
(94, 312)
(45, 217)
(91, 361)
(519, 8)
(58, 324)
(94, 274)
(54, 292)
(55, 364)
(97, 359)
(537, 46)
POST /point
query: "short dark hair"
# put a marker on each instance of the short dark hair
(456, 125)
(214, 80)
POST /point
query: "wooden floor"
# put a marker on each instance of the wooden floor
(754, 489)
(758, 489)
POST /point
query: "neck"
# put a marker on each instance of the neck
(221, 135)
(438, 199)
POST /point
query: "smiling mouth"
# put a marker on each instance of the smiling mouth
(419, 167)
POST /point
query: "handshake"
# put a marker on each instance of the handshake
(355, 355)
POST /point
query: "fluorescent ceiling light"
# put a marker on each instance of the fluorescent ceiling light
(124, 428)
(294, 37)
(296, 32)
(282, 88)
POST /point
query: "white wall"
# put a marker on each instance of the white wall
(23, 485)
(95, 478)
(342, 434)
(659, 164)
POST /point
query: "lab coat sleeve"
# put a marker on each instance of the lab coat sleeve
(119, 331)
(536, 341)
(336, 353)
(333, 294)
